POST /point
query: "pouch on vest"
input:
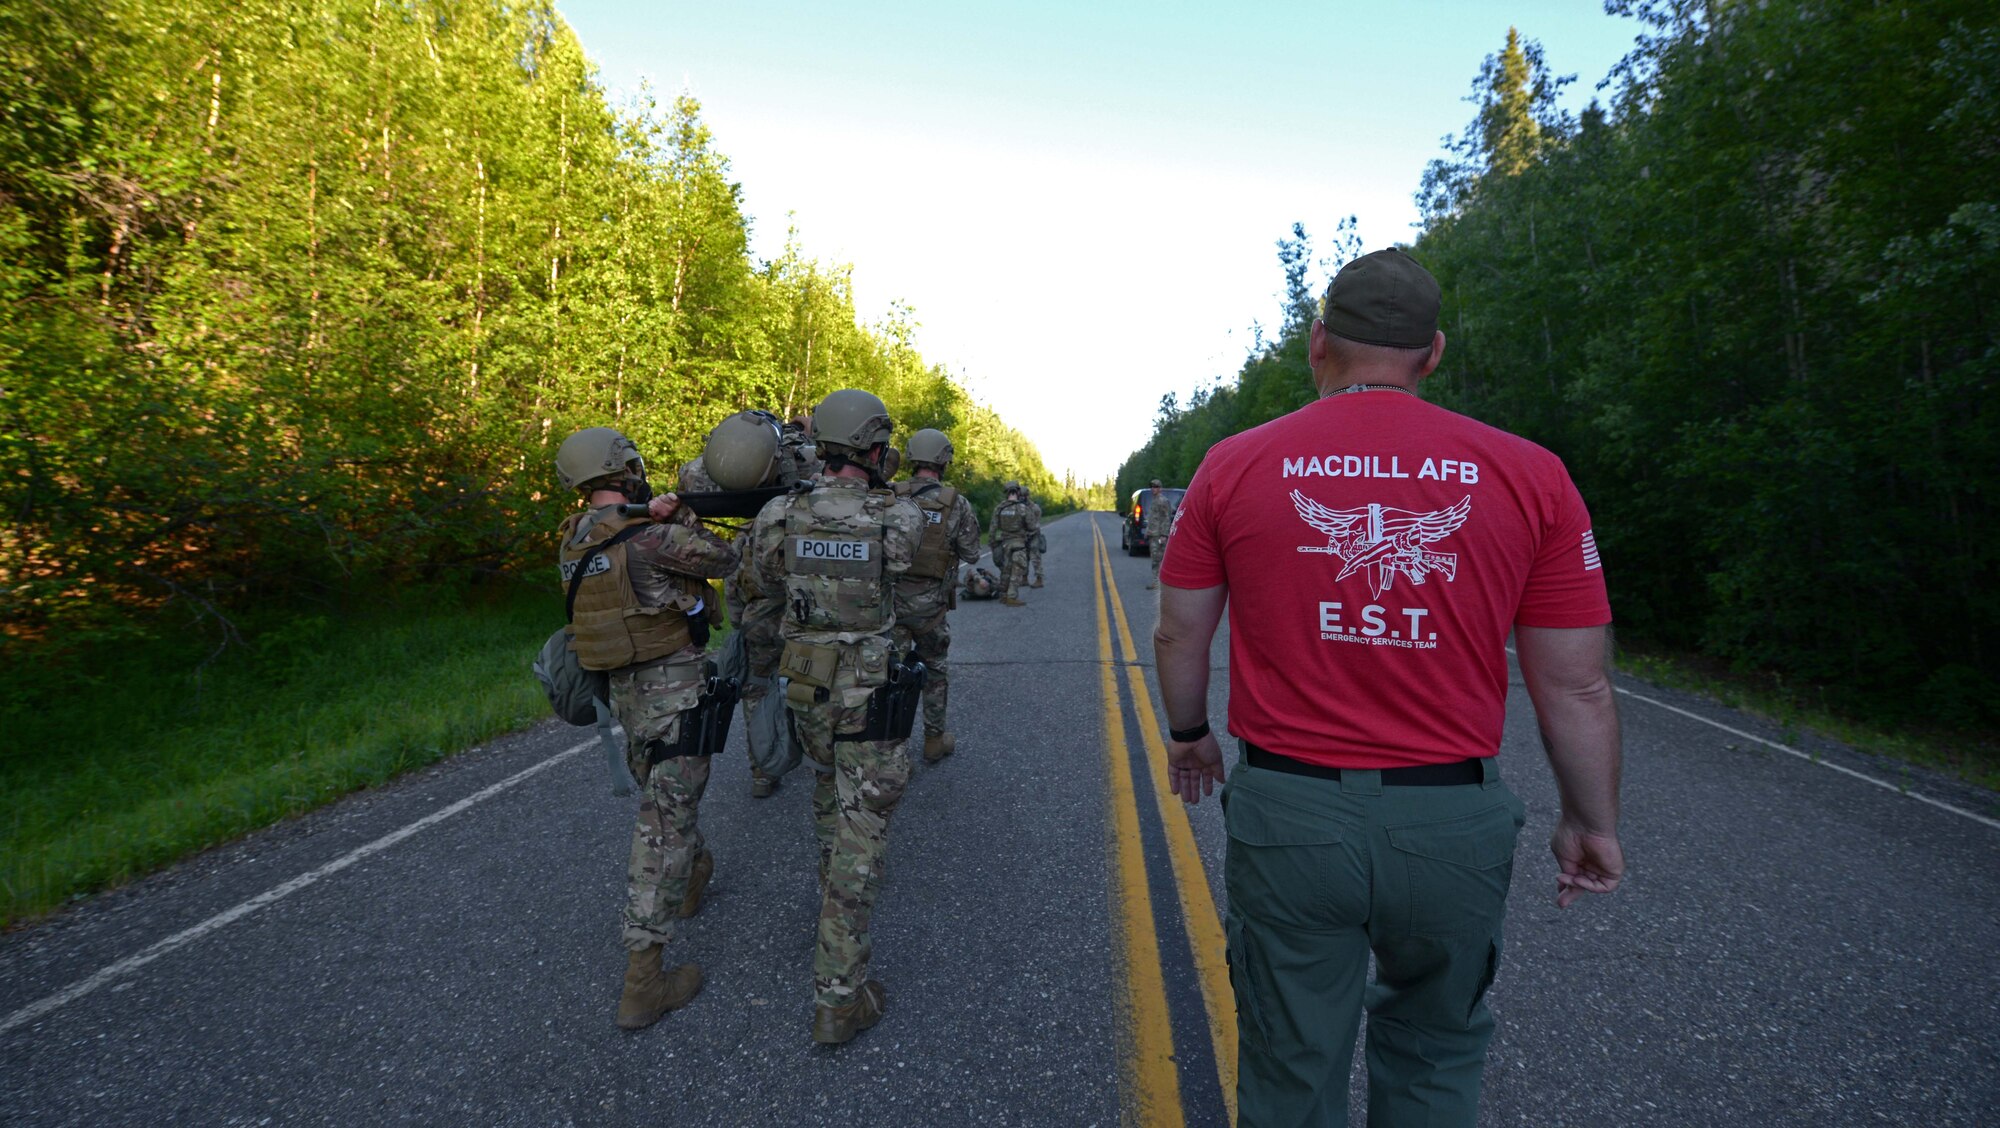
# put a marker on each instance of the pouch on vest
(810, 668)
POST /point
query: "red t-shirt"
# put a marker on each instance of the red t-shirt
(1377, 549)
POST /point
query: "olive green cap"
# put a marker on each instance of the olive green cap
(1384, 298)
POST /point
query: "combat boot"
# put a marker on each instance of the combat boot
(834, 1025)
(651, 992)
(938, 745)
(1010, 601)
(1037, 583)
(698, 875)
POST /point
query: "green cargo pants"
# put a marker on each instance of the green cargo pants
(1319, 874)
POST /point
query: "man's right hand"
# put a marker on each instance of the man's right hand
(1590, 862)
(1194, 767)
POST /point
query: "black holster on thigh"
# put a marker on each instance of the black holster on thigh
(705, 727)
(892, 708)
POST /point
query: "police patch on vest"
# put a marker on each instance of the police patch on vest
(933, 516)
(827, 556)
(599, 564)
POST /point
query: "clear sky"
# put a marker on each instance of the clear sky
(1080, 200)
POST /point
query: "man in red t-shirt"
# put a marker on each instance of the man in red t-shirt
(1374, 551)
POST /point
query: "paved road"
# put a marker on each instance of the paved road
(1794, 946)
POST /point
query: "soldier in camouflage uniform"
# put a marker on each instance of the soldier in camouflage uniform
(836, 553)
(749, 451)
(927, 591)
(642, 611)
(1037, 544)
(1014, 528)
(1160, 510)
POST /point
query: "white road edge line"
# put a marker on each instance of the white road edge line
(1821, 761)
(1810, 759)
(270, 896)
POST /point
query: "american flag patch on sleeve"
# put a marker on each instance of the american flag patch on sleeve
(1590, 558)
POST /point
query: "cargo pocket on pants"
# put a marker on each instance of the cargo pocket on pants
(1485, 980)
(1252, 1029)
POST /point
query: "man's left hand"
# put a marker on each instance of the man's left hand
(1194, 768)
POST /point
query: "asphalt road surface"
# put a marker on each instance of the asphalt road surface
(1795, 945)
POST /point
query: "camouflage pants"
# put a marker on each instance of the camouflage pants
(859, 785)
(1034, 568)
(648, 702)
(1156, 547)
(931, 640)
(1015, 571)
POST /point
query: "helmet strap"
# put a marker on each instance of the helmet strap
(637, 490)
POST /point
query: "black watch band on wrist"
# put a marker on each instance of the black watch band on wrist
(1189, 735)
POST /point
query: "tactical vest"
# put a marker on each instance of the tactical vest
(835, 578)
(611, 628)
(1013, 519)
(935, 559)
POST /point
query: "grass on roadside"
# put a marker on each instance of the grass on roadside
(1971, 756)
(122, 763)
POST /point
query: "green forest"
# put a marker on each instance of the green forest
(296, 301)
(298, 298)
(1751, 296)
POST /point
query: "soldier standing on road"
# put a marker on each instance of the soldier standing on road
(748, 451)
(1013, 528)
(1368, 686)
(1160, 510)
(927, 591)
(1036, 545)
(836, 553)
(641, 607)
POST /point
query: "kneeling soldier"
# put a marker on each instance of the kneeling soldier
(640, 607)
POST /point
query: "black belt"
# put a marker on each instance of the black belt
(1420, 775)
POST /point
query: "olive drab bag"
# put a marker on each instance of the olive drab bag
(774, 748)
(573, 691)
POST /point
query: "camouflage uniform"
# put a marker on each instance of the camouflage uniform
(860, 781)
(921, 601)
(667, 565)
(1036, 544)
(1160, 510)
(1013, 528)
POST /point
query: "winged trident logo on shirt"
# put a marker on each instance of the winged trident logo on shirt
(1385, 541)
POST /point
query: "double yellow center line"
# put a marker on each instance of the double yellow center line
(1150, 1067)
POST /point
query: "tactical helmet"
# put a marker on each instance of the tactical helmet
(596, 452)
(853, 419)
(1012, 487)
(931, 446)
(742, 451)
